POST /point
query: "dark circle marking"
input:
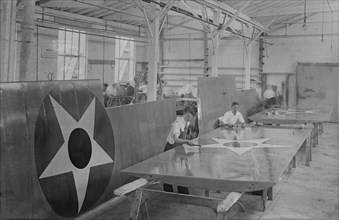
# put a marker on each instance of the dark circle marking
(79, 148)
(240, 144)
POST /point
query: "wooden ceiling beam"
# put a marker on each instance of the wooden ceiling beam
(266, 6)
(230, 11)
(62, 14)
(112, 13)
(98, 11)
(290, 11)
(186, 20)
(234, 17)
(67, 3)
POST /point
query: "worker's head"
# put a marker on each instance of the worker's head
(235, 106)
(189, 112)
(104, 86)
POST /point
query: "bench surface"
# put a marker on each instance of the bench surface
(233, 160)
(298, 115)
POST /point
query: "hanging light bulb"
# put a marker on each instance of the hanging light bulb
(304, 27)
(322, 24)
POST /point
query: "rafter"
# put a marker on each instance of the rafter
(109, 13)
(234, 17)
(230, 11)
(179, 24)
(108, 8)
(206, 27)
(68, 3)
(165, 9)
(262, 31)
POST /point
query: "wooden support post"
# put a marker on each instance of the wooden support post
(294, 162)
(207, 193)
(137, 202)
(7, 42)
(292, 90)
(215, 45)
(144, 211)
(289, 167)
(248, 49)
(314, 137)
(261, 66)
(270, 193)
(308, 150)
(223, 207)
(153, 59)
(27, 61)
(316, 129)
(206, 69)
(321, 128)
(263, 200)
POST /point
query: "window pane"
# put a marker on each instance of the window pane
(75, 43)
(69, 38)
(61, 65)
(83, 42)
(82, 68)
(61, 43)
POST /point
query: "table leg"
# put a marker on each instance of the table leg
(308, 151)
(289, 168)
(264, 200)
(144, 211)
(137, 202)
(294, 162)
(316, 133)
(321, 128)
(270, 193)
(207, 193)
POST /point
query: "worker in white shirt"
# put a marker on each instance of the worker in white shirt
(232, 117)
(177, 137)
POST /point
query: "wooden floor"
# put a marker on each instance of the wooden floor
(308, 193)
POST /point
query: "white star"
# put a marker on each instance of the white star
(258, 143)
(61, 161)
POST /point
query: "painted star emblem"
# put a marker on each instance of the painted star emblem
(61, 162)
(247, 145)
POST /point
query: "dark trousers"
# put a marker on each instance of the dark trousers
(169, 187)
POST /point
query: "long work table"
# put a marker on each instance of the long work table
(298, 115)
(234, 160)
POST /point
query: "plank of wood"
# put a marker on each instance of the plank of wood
(230, 200)
(129, 187)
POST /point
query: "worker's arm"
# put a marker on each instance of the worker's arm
(222, 124)
(176, 135)
(182, 141)
(241, 120)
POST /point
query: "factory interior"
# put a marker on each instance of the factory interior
(169, 109)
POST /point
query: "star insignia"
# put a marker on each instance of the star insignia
(61, 162)
(249, 145)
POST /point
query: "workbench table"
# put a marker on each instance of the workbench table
(232, 160)
(299, 115)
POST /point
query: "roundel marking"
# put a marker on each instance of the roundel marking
(79, 148)
(74, 150)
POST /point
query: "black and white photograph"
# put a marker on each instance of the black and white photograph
(169, 109)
